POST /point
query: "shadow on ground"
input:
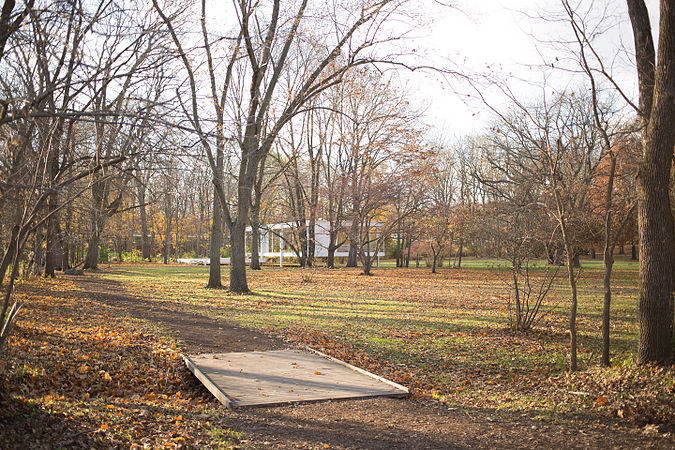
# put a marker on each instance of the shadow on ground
(23, 425)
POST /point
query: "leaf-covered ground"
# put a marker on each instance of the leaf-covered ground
(90, 370)
(75, 374)
(444, 335)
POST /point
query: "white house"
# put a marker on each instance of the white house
(274, 238)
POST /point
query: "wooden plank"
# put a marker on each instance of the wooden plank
(405, 390)
(281, 377)
(208, 383)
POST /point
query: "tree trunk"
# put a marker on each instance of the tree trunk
(9, 253)
(91, 259)
(399, 250)
(367, 260)
(145, 245)
(608, 257)
(516, 292)
(52, 207)
(302, 244)
(238, 282)
(633, 252)
(655, 222)
(353, 244)
(332, 247)
(52, 238)
(167, 235)
(315, 163)
(608, 260)
(216, 244)
(311, 240)
(460, 253)
(237, 227)
(97, 202)
(7, 319)
(573, 307)
(351, 258)
(330, 259)
(65, 255)
(255, 241)
(366, 256)
(656, 78)
(407, 260)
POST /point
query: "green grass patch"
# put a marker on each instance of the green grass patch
(448, 331)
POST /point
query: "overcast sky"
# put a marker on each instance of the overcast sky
(507, 36)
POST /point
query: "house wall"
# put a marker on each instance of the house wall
(321, 238)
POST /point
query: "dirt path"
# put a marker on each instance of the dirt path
(374, 423)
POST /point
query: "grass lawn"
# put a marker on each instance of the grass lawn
(446, 334)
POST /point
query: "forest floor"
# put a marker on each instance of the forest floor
(94, 362)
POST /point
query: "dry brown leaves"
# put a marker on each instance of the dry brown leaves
(75, 374)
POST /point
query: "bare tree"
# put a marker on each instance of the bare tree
(656, 75)
(554, 145)
(584, 52)
(266, 38)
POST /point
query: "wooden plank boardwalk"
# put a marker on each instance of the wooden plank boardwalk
(281, 377)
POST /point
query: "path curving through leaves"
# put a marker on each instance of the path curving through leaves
(414, 423)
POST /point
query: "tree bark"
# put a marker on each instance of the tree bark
(407, 260)
(9, 253)
(167, 228)
(238, 282)
(330, 259)
(399, 252)
(247, 177)
(608, 260)
(315, 166)
(51, 238)
(53, 169)
(91, 258)
(516, 290)
(353, 249)
(656, 81)
(97, 202)
(145, 245)
(216, 243)
(255, 240)
(332, 247)
(573, 307)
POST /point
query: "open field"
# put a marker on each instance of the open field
(446, 335)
